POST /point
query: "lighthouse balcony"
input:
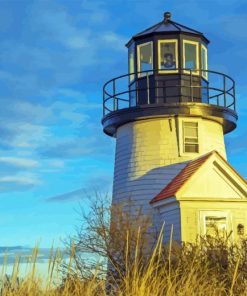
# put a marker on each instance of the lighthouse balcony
(140, 95)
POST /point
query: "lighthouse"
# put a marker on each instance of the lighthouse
(169, 115)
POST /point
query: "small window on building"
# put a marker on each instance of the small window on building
(132, 62)
(145, 58)
(190, 133)
(216, 226)
(204, 61)
(168, 56)
(190, 56)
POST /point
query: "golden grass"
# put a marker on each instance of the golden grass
(189, 270)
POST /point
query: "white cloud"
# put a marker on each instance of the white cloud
(29, 135)
(72, 147)
(114, 41)
(19, 182)
(44, 107)
(75, 195)
(56, 163)
(19, 162)
(100, 183)
(94, 12)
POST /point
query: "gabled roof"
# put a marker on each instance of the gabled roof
(172, 189)
(181, 178)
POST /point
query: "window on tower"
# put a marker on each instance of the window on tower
(190, 49)
(168, 56)
(190, 136)
(145, 58)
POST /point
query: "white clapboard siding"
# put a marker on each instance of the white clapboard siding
(169, 215)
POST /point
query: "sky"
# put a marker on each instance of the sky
(55, 57)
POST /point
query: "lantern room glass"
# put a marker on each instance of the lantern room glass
(204, 61)
(190, 56)
(168, 56)
(132, 62)
(145, 58)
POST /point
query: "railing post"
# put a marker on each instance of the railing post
(148, 98)
(114, 93)
(234, 94)
(208, 88)
(155, 91)
(130, 94)
(191, 86)
(224, 91)
(137, 92)
(103, 101)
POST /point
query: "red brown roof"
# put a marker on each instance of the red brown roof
(172, 188)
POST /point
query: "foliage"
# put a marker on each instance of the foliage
(212, 266)
(107, 236)
(209, 268)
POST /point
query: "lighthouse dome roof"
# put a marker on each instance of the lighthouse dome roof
(167, 26)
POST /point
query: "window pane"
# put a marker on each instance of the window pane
(204, 61)
(215, 225)
(191, 140)
(190, 132)
(191, 124)
(204, 67)
(190, 56)
(132, 62)
(145, 57)
(167, 55)
(193, 148)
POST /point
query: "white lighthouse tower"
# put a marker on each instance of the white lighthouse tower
(169, 115)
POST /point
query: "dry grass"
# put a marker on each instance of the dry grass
(211, 268)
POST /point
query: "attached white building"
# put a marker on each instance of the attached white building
(207, 192)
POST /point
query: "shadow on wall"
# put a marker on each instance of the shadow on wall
(135, 196)
(146, 187)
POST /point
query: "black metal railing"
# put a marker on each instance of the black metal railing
(151, 87)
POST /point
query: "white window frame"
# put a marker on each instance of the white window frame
(181, 120)
(203, 47)
(197, 56)
(176, 55)
(196, 143)
(138, 58)
(216, 213)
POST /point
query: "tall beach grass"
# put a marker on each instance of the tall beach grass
(212, 267)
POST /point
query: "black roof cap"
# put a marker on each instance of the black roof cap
(167, 26)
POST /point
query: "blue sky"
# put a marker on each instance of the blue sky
(54, 58)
